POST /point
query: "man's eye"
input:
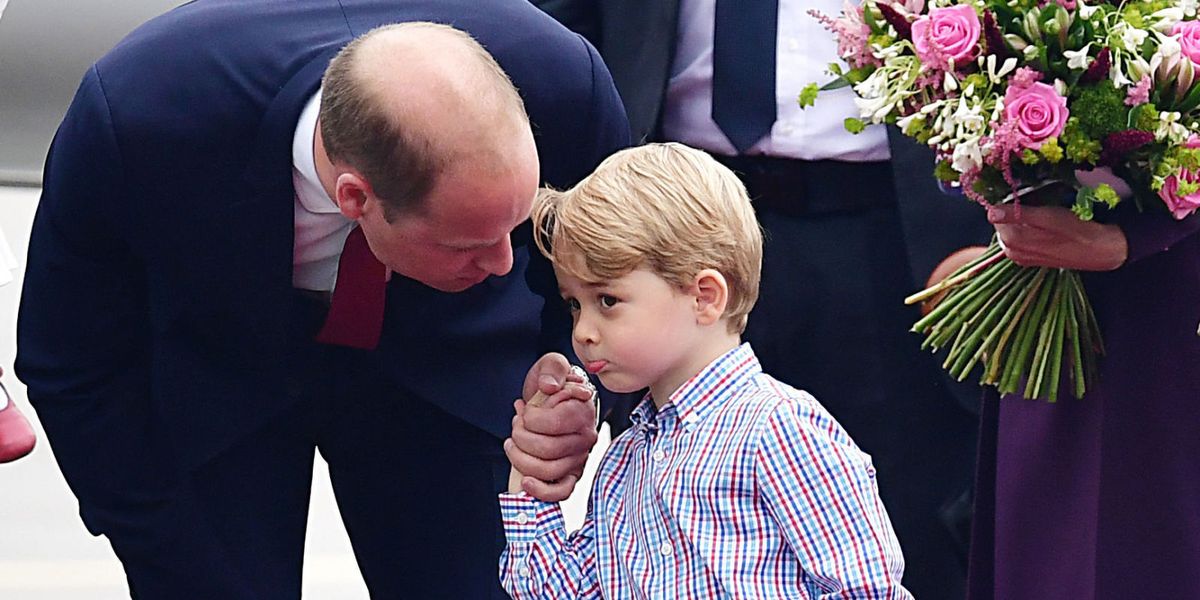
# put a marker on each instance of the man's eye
(608, 301)
(572, 304)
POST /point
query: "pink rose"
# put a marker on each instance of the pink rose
(1181, 206)
(1039, 111)
(951, 32)
(1189, 38)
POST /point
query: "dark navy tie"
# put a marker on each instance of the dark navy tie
(744, 39)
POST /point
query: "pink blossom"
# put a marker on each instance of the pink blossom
(1139, 93)
(1024, 77)
(1189, 38)
(1181, 206)
(1038, 110)
(852, 32)
(951, 32)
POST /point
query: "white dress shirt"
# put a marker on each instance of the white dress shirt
(803, 52)
(321, 229)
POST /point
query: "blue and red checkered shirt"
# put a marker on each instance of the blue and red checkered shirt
(740, 487)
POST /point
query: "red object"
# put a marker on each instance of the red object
(355, 316)
(16, 436)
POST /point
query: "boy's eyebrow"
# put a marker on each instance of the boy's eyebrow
(587, 284)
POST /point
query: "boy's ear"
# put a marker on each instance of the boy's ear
(711, 292)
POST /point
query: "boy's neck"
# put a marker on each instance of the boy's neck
(703, 353)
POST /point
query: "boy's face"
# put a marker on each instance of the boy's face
(635, 331)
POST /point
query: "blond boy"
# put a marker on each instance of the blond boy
(729, 483)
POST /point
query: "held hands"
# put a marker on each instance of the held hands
(553, 430)
(1046, 236)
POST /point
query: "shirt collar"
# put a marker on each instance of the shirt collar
(697, 397)
(309, 191)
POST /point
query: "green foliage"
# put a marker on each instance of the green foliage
(808, 95)
(1080, 147)
(979, 80)
(1144, 117)
(1106, 194)
(944, 172)
(1186, 188)
(1083, 205)
(1051, 151)
(854, 125)
(1030, 157)
(1100, 109)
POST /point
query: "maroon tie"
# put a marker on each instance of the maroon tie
(356, 313)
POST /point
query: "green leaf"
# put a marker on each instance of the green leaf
(854, 125)
(808, 95)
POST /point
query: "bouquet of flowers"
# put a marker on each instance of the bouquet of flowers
(1025, 101)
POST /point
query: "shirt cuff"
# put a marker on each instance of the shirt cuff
(526, 518)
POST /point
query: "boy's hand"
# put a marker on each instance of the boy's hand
(551, 440)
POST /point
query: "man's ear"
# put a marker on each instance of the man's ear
(711, 292)
(351, 193)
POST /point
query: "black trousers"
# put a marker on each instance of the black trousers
(415, 487)
(831, 320)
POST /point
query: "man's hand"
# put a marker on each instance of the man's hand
(1047, 236)
(551, 441)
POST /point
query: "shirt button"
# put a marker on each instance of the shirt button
(666, 549)
(659, 455)
(522, 518)
(691, 419)
(523, 571)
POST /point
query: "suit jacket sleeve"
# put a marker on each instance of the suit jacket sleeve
(83, 327)
(1149, 234)
(580, 16)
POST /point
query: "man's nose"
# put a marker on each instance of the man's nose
(497, 259)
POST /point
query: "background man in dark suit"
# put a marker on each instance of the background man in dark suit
(191, 228)
(841, 251)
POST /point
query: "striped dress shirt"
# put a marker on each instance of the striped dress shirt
(739, 487)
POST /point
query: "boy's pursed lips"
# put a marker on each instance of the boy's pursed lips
(595, 366)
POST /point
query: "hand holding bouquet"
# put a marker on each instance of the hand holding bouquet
(1030, 102)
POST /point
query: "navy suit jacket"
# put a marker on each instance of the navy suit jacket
(154, 320)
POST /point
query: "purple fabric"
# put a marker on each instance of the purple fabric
(1099, 498)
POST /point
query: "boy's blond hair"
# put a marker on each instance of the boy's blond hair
(670, 208)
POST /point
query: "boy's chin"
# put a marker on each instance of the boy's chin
(621, 385)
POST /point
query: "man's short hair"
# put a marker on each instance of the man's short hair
(398, 156)
(666, 207)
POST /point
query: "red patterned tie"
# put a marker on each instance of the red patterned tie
(356, 313)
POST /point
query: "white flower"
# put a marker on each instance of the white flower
(1087, 11)
(1166, 18)
(967, 156)
(904, 122)
(1078, 59)
(1030, 52)
(1170, 130)
(1129, 37)
(988, 65)
(950, 84)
